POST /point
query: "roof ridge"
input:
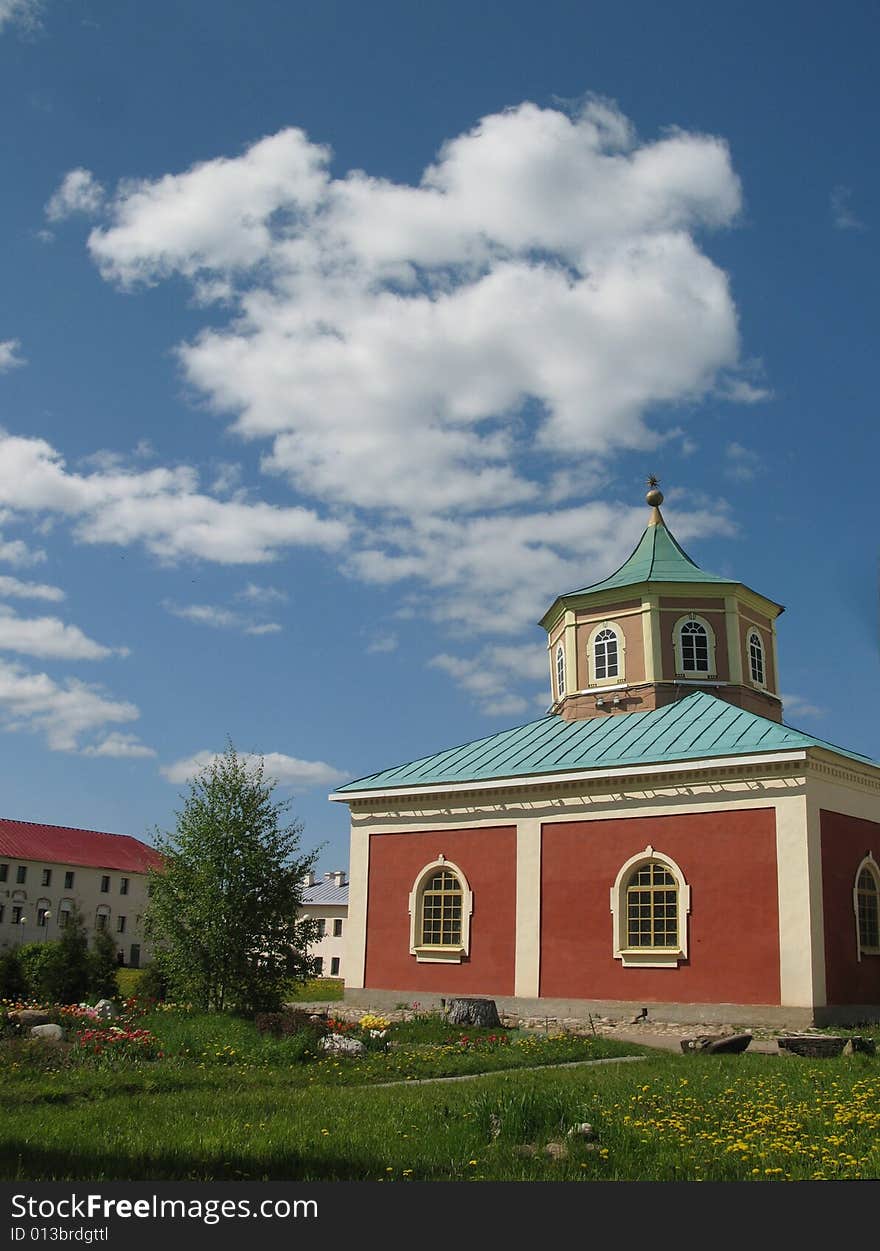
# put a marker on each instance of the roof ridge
(78, 829)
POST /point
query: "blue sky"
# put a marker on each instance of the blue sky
(337, 339)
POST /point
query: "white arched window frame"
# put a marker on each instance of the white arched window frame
(866, 907)
(606, 644)
(693, 642)
(645, 957)
(65, 909)
(757, 658)
(43, 912)
(102, 917)
(452, 952)
(559, 671)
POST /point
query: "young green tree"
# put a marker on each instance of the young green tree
(223, 911)
(103, 964)
(69, 973)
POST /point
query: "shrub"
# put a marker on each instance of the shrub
(13, 983)
(153, 983)
(39, 963)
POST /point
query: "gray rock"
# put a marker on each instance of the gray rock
(338, 1044)
(28, 1017)
(48, 1033)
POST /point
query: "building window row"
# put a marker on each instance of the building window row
(69, 877)
(693, 641)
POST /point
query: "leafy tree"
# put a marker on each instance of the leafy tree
(103, 964)
(37, 962)
(68, 975)
(223, 912)
(13, 983)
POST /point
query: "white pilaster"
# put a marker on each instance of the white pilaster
(527, 970)
(355, 957)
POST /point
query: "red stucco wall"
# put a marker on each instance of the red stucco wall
(845, 840)
(728, 860)
(487, 857)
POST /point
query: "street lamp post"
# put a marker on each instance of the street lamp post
(46, 915)
(22, 921)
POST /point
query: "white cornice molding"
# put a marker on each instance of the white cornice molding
(718, 767)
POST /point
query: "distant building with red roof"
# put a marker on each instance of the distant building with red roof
(48, 870)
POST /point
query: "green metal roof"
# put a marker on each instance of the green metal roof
(697, 727)
(657, 558)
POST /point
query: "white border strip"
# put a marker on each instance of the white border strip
(582, 775)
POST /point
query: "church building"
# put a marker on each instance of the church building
(660, 839)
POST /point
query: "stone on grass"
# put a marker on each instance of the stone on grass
(338, 1044)
(28, 1017)
(48, 1033)
(473, 1012)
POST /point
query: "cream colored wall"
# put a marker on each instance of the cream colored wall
(86, 893)
(329, 946)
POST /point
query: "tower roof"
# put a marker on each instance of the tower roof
(658, 557)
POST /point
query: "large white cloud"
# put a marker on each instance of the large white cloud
(63, 711)
(450, 362)
(161, 508)
(49, 637)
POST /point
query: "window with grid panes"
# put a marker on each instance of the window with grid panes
(652, 907)
(441, 910)
(605, 654)
(694, 648)
(756, 658)
(868, 910)
(560, 673)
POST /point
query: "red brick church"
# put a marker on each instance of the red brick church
(659, 839)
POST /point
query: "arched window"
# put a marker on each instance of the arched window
(560, 672)
(694, 645)
(440, 906)
(866, 900)
(756, 657)
(605, 654)
(65, 910)
(650, 902)
(102, 917)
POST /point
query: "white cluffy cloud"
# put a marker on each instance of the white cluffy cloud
(119, 746)
(14, 588)
(79, 192)
(9, 355)
(404, 346)
(161, 508)
(63, 711)
(447, 363)
(48, 637)
(494, 675)
(25, 13)
(286, 770)
(221, 618)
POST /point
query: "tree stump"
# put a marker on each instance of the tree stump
(472, 1012)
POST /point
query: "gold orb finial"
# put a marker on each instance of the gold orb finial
(654, 496)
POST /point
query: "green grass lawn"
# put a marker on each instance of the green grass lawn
(225, 1102)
